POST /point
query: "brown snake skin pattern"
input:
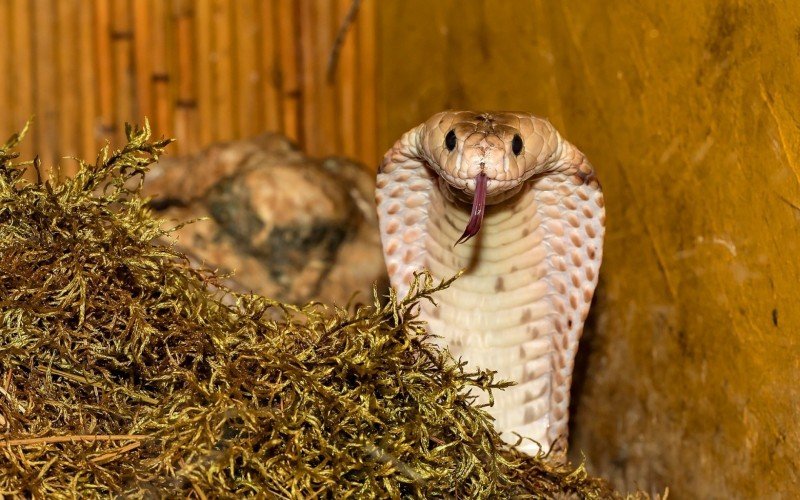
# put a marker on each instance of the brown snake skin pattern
(531, 269)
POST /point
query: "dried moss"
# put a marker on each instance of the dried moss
(123, 370)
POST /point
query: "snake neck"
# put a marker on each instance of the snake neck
(498, 314)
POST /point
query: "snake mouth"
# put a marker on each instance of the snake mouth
(478, 208)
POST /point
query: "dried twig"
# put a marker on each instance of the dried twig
(111, 455)
(333, 57)
(85, 438)
(100, 384)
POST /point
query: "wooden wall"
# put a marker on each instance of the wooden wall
(201, 71)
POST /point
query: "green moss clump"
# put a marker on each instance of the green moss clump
(123, 370)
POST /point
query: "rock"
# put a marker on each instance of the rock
(278, 223)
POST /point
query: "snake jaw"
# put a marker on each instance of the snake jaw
(478, 208)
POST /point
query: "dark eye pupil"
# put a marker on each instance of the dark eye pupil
(516, 145)
(450, 140)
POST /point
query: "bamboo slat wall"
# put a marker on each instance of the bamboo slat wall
(201, 71)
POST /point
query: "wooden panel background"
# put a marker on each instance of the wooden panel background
(201, 71)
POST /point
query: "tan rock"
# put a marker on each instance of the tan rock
(283, 225)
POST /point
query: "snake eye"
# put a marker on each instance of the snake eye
(450, 140)
(516, 144)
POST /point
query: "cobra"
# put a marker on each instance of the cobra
(528, 211)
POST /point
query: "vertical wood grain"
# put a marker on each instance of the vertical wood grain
(289, 73)
(268, 57)
(204, 69)
(308, 78)
(347, 86)
(103, 55)
(87, 81)
(248, 77)
(121, 36)
(44, 67)
(186, 105)
(200, 70)
(324, 123)
(142, 41)
(223, 74)
(6, 119)
(162, 74)
(368, 84)
(22, 90)
(68, 93)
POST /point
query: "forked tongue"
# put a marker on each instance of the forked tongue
(478, 206)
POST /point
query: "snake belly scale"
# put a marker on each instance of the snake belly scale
(534, 217)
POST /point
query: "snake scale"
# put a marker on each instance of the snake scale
(534, 217)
